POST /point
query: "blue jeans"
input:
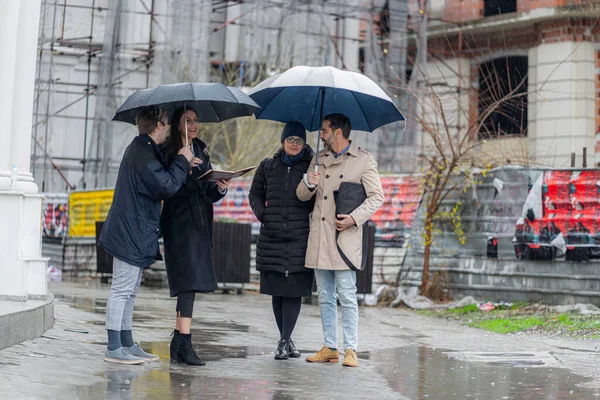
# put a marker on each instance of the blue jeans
(344, 282)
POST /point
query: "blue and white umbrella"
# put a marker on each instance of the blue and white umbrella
(306, 94)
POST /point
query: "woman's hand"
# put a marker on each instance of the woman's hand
(223, 185)
(195, 162)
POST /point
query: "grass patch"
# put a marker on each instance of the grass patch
(464, 310)
(576, 323)
(508, 325)
(521, 317)
(518, 305)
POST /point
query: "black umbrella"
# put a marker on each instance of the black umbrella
(214, 102)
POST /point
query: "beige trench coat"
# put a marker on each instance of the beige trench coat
(356, 165)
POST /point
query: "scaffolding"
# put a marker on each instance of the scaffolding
(94, 53)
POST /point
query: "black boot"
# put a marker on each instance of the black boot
(282, 350)
(292, 350)
(174, 344)
(185, 351)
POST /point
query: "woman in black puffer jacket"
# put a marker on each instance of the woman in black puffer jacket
(281, 247)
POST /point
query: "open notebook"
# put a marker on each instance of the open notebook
(212, 175)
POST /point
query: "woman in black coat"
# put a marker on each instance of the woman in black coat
(186, 223)
(283, 238)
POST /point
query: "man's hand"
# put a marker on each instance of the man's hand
(344, 221)
(223, 184)
(313, 178)
(187, 153)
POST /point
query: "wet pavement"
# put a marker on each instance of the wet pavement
(401, 355)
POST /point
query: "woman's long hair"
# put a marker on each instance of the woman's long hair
(174, 143)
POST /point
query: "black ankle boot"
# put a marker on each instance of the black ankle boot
(282, 350)
(185, 353)
(292, 350)
(174, 344)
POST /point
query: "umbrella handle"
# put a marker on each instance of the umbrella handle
(305, 179)
(187, 142)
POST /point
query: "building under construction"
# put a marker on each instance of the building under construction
(95, 53)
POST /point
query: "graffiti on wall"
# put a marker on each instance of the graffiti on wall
(532, 213)
(485, 212)
(561, 215)
(55, 217)
(402, 197)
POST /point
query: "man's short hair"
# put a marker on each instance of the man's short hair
(339, 121)
(148, 118)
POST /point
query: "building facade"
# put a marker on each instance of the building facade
(543, 54)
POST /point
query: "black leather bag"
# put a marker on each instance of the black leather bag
(348, 198)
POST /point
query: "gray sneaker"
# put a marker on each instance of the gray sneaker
(122, 356)
(137, 351)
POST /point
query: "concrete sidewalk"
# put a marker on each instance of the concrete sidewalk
(25, 320)
(402, 355)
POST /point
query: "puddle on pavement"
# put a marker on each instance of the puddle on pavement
(518, 363)
(145, 315)
(502, 355)
(207, 351)
(170, 384)
(225, 326)
(414, 337)
(97, 322)
(579, 350)
(423, 373)
(415, 372)
(89, 304)
(99, 307)
(205, 339)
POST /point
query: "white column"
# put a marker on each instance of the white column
(561, 105)
(8, 48)
(22, 270)
(441, 76)
(22, 109)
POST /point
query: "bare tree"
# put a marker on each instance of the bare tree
(454, 118)
(240, 142)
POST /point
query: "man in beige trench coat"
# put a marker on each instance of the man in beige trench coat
(340, 161)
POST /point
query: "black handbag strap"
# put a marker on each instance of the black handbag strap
(365, 246)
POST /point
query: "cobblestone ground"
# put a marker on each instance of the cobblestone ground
(401, 355)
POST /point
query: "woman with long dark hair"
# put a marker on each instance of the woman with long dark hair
(186, 224)
(281, 246)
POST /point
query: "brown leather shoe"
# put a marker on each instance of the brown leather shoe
(324, 355)
(350, 359)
